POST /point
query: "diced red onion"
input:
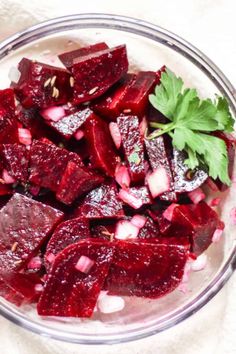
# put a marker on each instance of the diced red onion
(130, 199)
(50, 258)
(214, 202)
(233, 216)
(8, 179)
(168, 213)
(14, 74)
(143, 126)
(122, 176)
(158, 182)
(38, 288)
(200, 263)
(24, 136)
(110, 304)
(196, 195)
(54, 113)
(211, 184)
(35, 263)
(115, 134)
(138, 220)
(217, 235)
(126, 230)
(84, 264)
(79, 134)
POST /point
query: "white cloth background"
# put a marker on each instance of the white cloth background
(209, 25)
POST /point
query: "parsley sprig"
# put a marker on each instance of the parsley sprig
(192, 121)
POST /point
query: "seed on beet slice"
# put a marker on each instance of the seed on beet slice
(144, 269)
(135, 98)
(76, 181)
(24, 225)
(7, 102)
(68, 57)
(66, 233)
(48, 163)
(70, 292)
(16, 160)
(101, 203)
(132, 143)
(95, 73)
(41, 85)
(101, 147)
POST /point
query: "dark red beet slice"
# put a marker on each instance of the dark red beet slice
(109, 104)
(70, 292)
(101, 203)
(19, 288)
(145, 270)
(68, 125)
(150, 230)
(24, 225)
(5, 189)
(68, 57)
(66, 233)
(135, 99)
(159, 156)
(7, 102)
(8, 122)
(133, 146)
(48, 163)
(185, 180)
(95, 73)
(41, 85)
(76, 181)
(16, 160)
(100, 144)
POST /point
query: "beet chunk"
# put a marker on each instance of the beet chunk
(66, 233)
(159, 156)
(101, 203)
(8, 122)
(7, 102)
(48, 163)
(101, 147)
(69, 291)
(76, 181)
(135, 99)
(96, 73)
(16, 160)
(150, 230)
(145, 270)
(41, 85)
(24, 225)
(133, 146)
(67, 58)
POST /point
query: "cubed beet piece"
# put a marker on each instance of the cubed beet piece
(24, 225)
(16, 160)
(101, 147)
(76, 181)
(8, 121)
(145, 269)
(101, 203)
(135, 99)
(41, 85)
(68, 125)
(132, 143)
(68, 57)
(7, 102)
(159, 155)
(48, 163)
(72, 290)
(150, 230)
(109, 104)
(185, 180)
(66, 233)
(95, 73)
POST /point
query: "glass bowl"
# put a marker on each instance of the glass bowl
(149, 47)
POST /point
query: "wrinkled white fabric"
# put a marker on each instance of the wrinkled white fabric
(209, 25)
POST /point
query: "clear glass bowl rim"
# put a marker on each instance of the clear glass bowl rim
(171, 40)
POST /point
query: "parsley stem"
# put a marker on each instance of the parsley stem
(166, 128)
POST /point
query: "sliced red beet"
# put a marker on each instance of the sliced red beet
(8, 122)
(101, 203)
(67, 58)
(133, 146)
(70, 292)
(100, 144)
(145, 270)
(16, 160)
(185, 180)
(66, 233)
(109, 104)
(158, 151)
(76, 181)
(68, 125)
(41, 85)
(7, 102)
(135, 196)
(135, 99)
(150, 230)
(95, 73)
(24, 225)
(48, 163)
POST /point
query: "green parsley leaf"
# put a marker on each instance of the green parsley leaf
(223, 116)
